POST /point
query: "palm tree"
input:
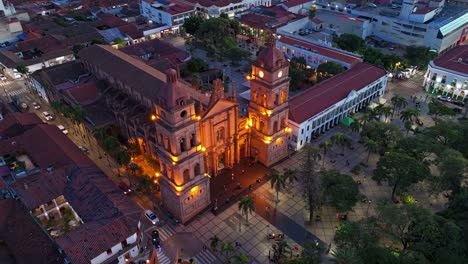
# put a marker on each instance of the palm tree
(247, 205)
(214, 243)
(278, 182)
(340, 139)
(240, 259)
(409, 115)
(99, 133)
(398, 102)
(356, 126)
(371, 147)
(346, 255)
(281, 251)
(386, 111)
(325, 146)
(227, 249)
(290, 175)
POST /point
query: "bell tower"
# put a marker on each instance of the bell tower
(268, 106)
(184, 184)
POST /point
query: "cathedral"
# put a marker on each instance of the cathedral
(198, 141)
(195, 135)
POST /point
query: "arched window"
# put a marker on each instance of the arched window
(192, 140)
(283, 97)
(261, 127)
(276, 99)
(275, 127)
(186, 176)
(283, 122)
(264, 100)
(196, 169)
(254, 96)
(182, 144)
(160, 139)
(254, 122)
(167, 143)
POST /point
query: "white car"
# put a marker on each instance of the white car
(36, 105)
(62, 128)
(47, 116)
(152, 217)
(372, 5)
(2, 77)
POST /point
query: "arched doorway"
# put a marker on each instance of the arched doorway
(221, 160)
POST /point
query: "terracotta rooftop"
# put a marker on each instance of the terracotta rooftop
(329, 92)
(131, 30)
(127, 69)
(24, 238)
(423, 10)
(14, 123)
(45, 44)
(84, 93)
(455, 59)
(157, 48)
(177, 7)
(324, 51)
(292, 3)
(268, 17)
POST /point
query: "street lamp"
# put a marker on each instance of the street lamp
(368, 205)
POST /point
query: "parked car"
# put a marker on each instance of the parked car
(152, 217)
(84, 149)
(459, 103)
(63, 129)
(372, 5)
(47, 116)
(124, 188)
(36, 105)
(395, 7)
(444, 98)
(2, 77)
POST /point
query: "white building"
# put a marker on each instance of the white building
(428, 23)
(298, 6)
(315, 54)
(448, 74)
(324, 105)
(168, 12)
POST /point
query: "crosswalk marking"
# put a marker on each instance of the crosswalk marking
(165, 232)
(205, 257)
(163, 259)
(17, 92)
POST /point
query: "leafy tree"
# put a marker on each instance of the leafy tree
(99, 133)
(356, 126)
(452, 168)
(278, 182)
(21, 68)
(227, 248)
(298, 72)
(359, 235)
(197, 65)
(437, 108)
(246, 206)
(372, 56)
(341, 190)
(76, 48)
(110, 143)
(119, 42)
(98, 41)
(240, 259)
(312, 11)
(311, 253)
(446, 133)
(350, 42)
(419, 56)
(310, 179)
(347, 255)
(192, 24)
(417, 147)
(122, 157)
(236, 54)
(330, 67)
(385, 134)
(400, 171)
(409, 115)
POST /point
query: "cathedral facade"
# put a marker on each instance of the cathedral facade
(201, 140)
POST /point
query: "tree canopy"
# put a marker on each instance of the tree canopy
(192, 24)
(330, 67)
(350, 42)
(341, 190)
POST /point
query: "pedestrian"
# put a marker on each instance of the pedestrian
(267, 210)
(232, 176)
(204, 247)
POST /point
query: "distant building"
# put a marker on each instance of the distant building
(430, 23)
(448, 73)
(315, 54)
(324, 105)
(267, 18)
(169, 12)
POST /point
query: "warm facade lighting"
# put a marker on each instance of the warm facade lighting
(203, 149)
(153, 117)
(194, 189)
(179, 188)
(269, 112)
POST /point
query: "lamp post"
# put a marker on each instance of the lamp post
(368, 205)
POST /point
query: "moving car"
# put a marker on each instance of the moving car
(84, 149)
(47, 116)
(62, 128)
(36, 105)
(151, 217)
(124, 188)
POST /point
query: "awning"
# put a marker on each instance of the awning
(382, 100)
(372, 105)
(347, 121)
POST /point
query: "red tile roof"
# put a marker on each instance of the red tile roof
(424, 10)
(157, 48)
(45, 44)
(178, 7)
(131, 30)
(84, 93)
(269, 17)
(24, 238)
(324, 51)
(329, 92)
(292, 3)
(455, 59)
(15, 123)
